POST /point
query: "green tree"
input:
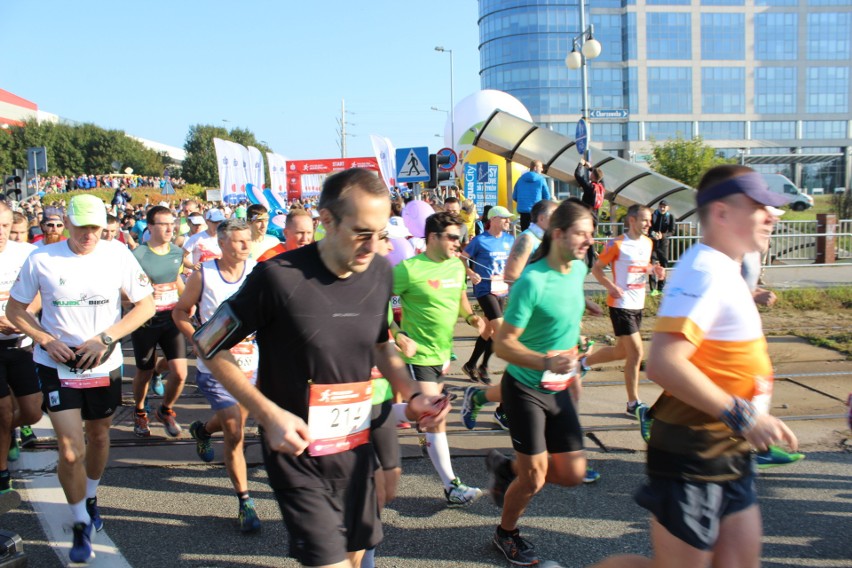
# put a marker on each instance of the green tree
(200, 164)
(684, 160)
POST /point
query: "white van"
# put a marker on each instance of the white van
(779, 184)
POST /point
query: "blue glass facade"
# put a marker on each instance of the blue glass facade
(722, 90)
(669, 35)
(669, 90)
(723, 36)
(776, 36)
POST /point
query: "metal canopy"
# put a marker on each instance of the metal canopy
(789, 158)
(519, 140)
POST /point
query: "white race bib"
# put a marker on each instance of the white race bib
(498, 285)
(165, 296)
(79, 379)
(637, 276)
(245, 353)
(339, 417)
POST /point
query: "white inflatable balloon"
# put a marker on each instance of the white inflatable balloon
(473, 110)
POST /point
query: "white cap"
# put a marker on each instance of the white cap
(214, 215)
(396, 228)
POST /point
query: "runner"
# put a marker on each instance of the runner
(162, 261)
(258, 218)
(207, 288)
(203, 245)
(630, 258)
(539, 341)
(298, 229)
(488, 252)
(78, 355)
(432, 289)
(52, 226)
(709, 354)
(320, 313)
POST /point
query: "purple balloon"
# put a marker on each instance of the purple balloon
(402, 250)
(414, 215)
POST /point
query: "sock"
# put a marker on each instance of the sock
(78, 511)
(479, 398)
(478, 350)
(243, 496)
(203, 433)
(439, 453)
(369, 560)
(489, 348)
(504, 533)
(92, 488)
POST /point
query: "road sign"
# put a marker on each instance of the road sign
(609, 113)
(36, 160)
(412, 164)
(452, 161)
(581, 136)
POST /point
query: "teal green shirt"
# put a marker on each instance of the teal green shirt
(548, 306)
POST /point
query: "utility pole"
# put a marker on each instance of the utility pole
(342, 128)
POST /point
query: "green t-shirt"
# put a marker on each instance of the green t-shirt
(430, 293)
(382, 390)
(548, 306)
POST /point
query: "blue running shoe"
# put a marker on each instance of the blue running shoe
(157, 385)
(95, 513)
(203, 447)
(248, 516)
(591, 475)
(469, 409)
(775, 456)
(645, 422)
(81, 543)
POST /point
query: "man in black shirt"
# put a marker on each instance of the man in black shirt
(320, 314)
(662, 227)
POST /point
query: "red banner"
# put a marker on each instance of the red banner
(305, 177)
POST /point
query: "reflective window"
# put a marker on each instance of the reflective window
(829, 35)
(728, 153)
(515, 21)
(722, 130)
(669, 90)
(776, 2)
(723, 36)
(775, 90)
(722, 90)
(607, 87)
(776, 36)
(666, 130)
(723, 2)
(827, 89)
(608, 131)
(830, 2)
(629, 33)
(769, 130)
(608, 32)
(668, 35)
(668, 2)
(633, 131)
(812, 129)
(632, 84)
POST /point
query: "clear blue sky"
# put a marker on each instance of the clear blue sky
(278, 68)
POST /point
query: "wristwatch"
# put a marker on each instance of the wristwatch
(107, 340)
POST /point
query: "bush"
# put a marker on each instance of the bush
(137, 196)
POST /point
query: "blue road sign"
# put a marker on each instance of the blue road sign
(482, 172)
(454, 159)
(609, 113)
(581, 136)
(412, 164)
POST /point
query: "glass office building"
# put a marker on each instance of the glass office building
(766, 81)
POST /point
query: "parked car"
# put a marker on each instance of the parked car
(799, 201)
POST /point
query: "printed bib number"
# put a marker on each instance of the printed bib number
(559, 382)
(165, 296)
(339, 417)
(498, 285)
(396, 306)
(762, 394)
(79, 379)
(637, 276)
(245, 354)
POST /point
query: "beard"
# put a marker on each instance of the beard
(50, 239)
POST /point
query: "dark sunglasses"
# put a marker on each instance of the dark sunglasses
(451, 237)
(54, 225)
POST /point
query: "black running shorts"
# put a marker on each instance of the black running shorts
(492, 306)
(160, 330)
(17, 372)
(427, 373)
(624, 321)
(94, 403)
(384, 437)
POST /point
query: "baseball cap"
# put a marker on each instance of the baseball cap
(751, 184)
(50, 212)
(196, 220)
(500, 211)
(214, 215)
(775, 211)
(87, 210)
(663, 202)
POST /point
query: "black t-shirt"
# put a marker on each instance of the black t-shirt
(312, 326)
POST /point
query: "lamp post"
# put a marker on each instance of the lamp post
(452, 100)
(589, 48)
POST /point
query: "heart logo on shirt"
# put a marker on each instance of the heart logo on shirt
(436, 284)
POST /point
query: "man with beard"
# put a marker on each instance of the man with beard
(52, 227)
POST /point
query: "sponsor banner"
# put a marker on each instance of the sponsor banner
(256, 169)
(277, 172)
(386, 157)
(305, 177)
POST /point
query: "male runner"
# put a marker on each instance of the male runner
(453, 205)
(203, 245)
(630, 258)
(709, 354)
(432, 289)
(320, 313)
(162, 261)
(207, 288)
(52, 227)
(258, 218)
(298, 229)
(78, 355)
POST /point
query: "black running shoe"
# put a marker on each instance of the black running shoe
(518, 551)
(471, 372)
(500, 468)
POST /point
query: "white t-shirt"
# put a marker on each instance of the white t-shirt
(80, 294)
(257, 249)
(630, 260)
(202, 247)
(11, 260)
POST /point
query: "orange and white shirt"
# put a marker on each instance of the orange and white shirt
(630, 260)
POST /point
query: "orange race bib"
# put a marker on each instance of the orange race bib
(165, 296)
(339, 417)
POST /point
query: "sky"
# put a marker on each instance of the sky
(278, 68)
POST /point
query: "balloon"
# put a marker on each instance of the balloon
(276, 226)
(402, 250)
(471, 112)
(414, 215)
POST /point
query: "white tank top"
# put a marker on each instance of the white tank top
(215, 290)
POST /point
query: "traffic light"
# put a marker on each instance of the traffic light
(12, 185)
(436, 174)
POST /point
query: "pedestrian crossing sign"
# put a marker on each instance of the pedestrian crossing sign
(412, 164)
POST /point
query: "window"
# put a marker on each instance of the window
(608, 32)
(773, 130)
(607, 87)
(776, 2)
(827, 90)
(776, 36)
(829, 35)
(629, 35)
(722, 90)
(775, 90)
(669, 90)
(722, 2)
(823, 129)
(666, 130)
(723, 36)
(669, 35)
(722, 130)
(608, 131)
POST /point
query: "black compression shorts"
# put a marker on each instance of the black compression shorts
(160, 330)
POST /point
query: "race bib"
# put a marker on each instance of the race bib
(559, 382)
(498, 285)
(165, 296)
(339, 417)
(637, 276)
(245, 353)
(79, 379)
(762, 394)
(396, 306)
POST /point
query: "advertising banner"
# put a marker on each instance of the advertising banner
(305, 177)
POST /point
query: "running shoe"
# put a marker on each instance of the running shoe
(655, 293)
(203, 447)
(157, 384)
(460, 495)
(469, 409)
(453, 356)
(248, 516)
(500, 468)
(484, 377)
(28, 437)
(81, 543)
(631, 408)
(94, 513)
(167, 417)
(14, 449)
(141, 428)
(645, 422)
(471, 372)
(5, 483)
(501, 418)
(775, 456)
(591, 475)
(517, 550)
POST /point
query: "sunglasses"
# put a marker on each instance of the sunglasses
(451, 237)
(54, 225)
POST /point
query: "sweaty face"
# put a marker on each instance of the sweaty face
(576, 240)
(299, 232)
(237, 247)
(354, 238)
(446, 244)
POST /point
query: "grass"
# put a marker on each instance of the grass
(841, 342)
(829, 300)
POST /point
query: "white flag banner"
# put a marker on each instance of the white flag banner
(258, 172)
(227, 180)
(277, 173)
(385, 155)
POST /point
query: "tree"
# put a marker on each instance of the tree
(685, 160)
(200, 164)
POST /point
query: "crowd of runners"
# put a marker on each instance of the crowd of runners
(302, 336)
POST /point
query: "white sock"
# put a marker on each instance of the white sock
(78, 511)
(369, 560)
(92, 488)
(439, 453)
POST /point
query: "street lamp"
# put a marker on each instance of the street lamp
(589, 49)
(452, 100)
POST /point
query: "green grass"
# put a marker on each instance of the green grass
(841, 342)
(822, 204)
(830, 300)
